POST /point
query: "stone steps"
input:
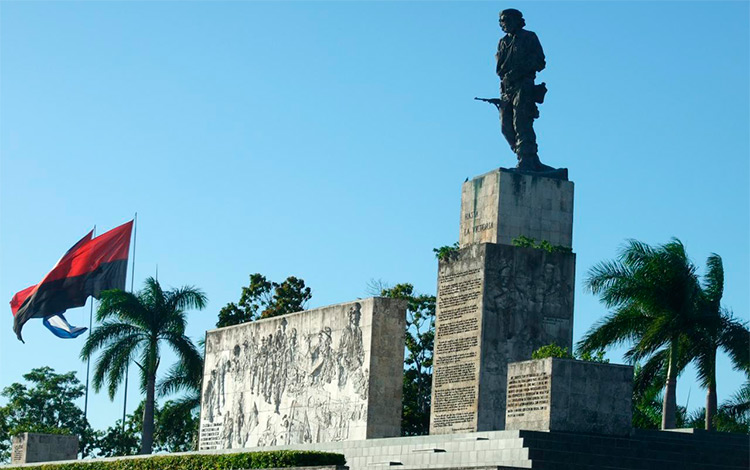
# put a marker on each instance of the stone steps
(651, 449)
(506, 450)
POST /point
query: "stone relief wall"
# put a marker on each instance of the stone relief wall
(300, 378)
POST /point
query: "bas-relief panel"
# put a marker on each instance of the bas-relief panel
(301, 378)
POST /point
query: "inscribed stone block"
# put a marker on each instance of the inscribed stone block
(36, 447)
(495, 304)
(547, 395)
(500, 205)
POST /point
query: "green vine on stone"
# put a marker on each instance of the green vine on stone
(528, 242)
(445, 252)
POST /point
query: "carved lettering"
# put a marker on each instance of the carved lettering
(457, 349)
(527, 393)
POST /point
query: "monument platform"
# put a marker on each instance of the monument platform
(657, 450)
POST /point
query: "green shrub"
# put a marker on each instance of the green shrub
(551, 350)
(526, 242)
(445, 252)
(244, 460)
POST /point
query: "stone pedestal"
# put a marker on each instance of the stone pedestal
(496, 304)
(35, 447)
(500, 205)
(328, 374)
(567, 395)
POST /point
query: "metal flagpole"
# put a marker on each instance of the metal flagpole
(132, 281)
(88, 361)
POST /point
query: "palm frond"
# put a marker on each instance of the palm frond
(735, 341)
(625, 324)
(106, 333)
(122, 305)
(111, 364)
(186, 298)
(713, 280)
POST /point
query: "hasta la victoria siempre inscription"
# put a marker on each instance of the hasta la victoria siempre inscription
(455, 376)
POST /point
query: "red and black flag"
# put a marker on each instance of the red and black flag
(91, 266)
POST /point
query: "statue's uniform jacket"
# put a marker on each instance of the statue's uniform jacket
(519, 58)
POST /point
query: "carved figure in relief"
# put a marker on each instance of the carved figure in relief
(351, 353)
(322, 359)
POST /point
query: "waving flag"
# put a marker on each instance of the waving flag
(88, 268)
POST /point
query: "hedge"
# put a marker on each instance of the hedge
(233, 461)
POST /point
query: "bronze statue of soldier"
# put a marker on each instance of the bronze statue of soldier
(519, 58)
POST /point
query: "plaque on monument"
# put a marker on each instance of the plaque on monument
(496, 304)
(327, 374)
(568, 395)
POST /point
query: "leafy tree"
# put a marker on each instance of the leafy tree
(647, 404)
(716, 329)
(181, 416)
(134, 327)
(420, 337)
(176, 427)
(119, 440)
(45, 405)
(655, 296)
(265, 299)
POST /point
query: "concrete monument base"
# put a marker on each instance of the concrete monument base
(35, 447)
(496, 304)
(501, 205)
(555, 394)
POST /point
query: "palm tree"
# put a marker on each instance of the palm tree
(654, 293)
(716, 328)
(187, 378)
(133, 327)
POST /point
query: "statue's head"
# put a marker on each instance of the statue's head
(511, 20)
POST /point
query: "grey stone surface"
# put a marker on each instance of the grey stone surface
(500, 205)
(496, 304)
(328, 374)
(535, 449)
(556, 394)
(34, 447)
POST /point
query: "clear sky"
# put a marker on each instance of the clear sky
(329, 141)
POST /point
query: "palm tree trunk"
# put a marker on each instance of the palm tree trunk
(147, 440)
(669, 407)
(711, 401)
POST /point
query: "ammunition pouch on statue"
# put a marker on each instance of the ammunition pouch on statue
(539, 92)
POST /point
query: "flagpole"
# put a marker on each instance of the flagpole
(88, 361)
(132, 281)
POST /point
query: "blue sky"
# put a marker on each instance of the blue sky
(329, 141)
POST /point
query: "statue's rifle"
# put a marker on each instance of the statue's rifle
(498, 102)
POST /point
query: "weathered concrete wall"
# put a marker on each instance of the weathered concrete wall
(499, 206)
(328, 374)
(34, 447)
(567, 395)
(496, 304)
